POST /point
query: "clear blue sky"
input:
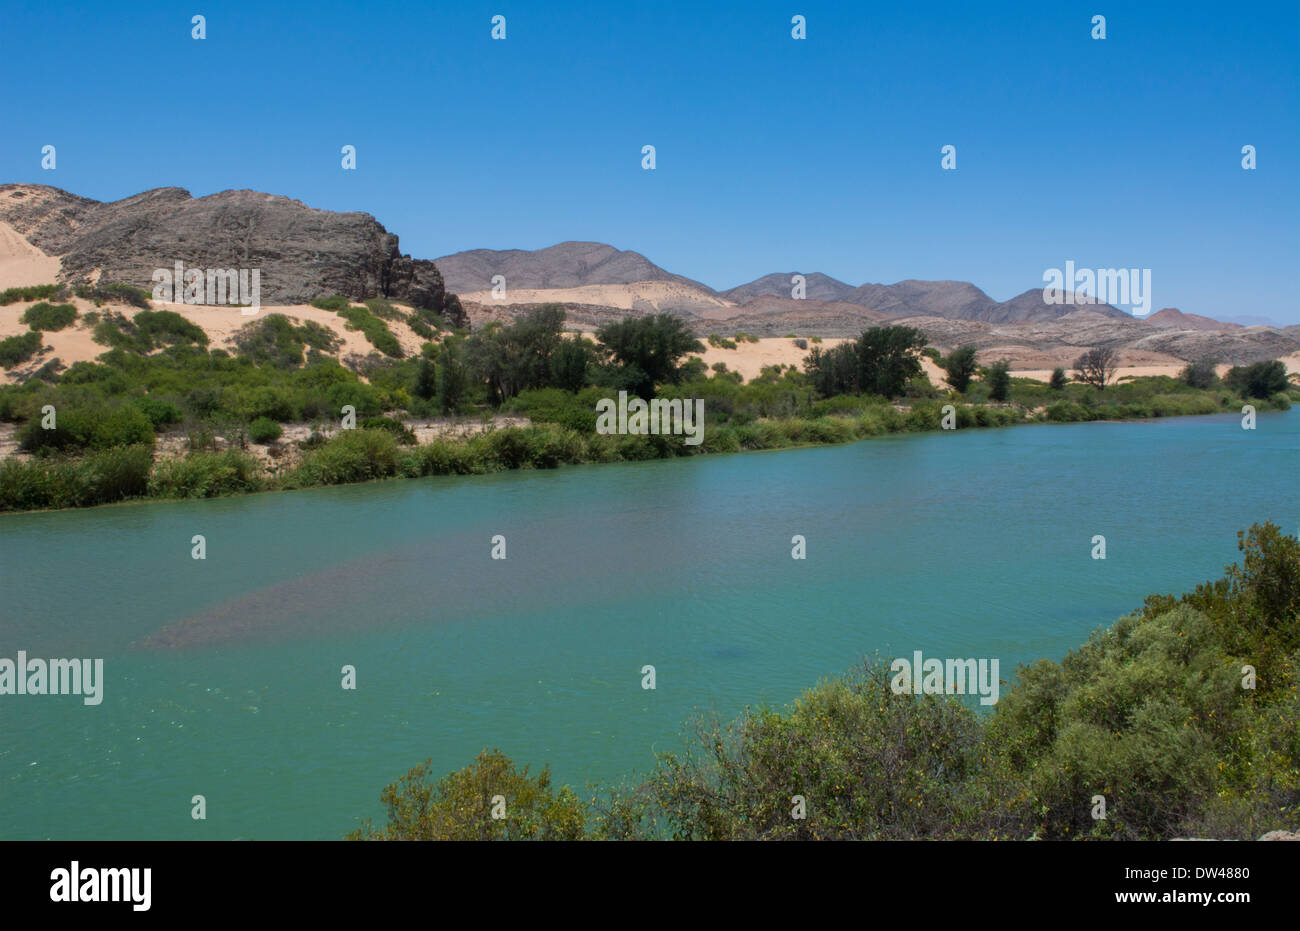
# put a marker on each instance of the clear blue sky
(773, 154)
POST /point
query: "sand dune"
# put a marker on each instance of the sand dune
(21, 263)
(648, 296)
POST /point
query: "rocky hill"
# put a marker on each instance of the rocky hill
(302, 253)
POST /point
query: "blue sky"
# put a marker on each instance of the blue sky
(772, 154)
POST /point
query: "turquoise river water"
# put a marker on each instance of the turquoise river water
(222, 676)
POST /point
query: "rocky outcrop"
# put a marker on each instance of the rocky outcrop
(302, 252)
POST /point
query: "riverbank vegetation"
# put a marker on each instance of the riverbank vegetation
(1180, 718)
(90, 431)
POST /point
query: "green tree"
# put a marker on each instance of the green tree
(453, 378)
(888, 359)
(960, 366)
(518, 357)
(1058, 380)
(460, 806)
(1261, 380)
(999, 379)
(569, 364)
(649, 349)
(1199, 374)
(426, 380)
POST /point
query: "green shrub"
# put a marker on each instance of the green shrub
(351, 456)
(455, 807)
(403, 434)
(335, 302)
(49, 317)
(88, 427)
(161, 414)
(37, 292)
(264, 430)
(374, 329)
(15, 350)
(155, 328)
(205, 475)
(96, 478)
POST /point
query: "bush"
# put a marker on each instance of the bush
(264, 430)
(1261, 380)
(458, 807)
(399, 430)
(205, 475)
(160, 413)
(88, 427)
(49, 317)
(97, 478)
(15, 350)
(37, 292)
(155, 328)
(335, 302)
(1199, 374)
(374, 329)
(351, 456)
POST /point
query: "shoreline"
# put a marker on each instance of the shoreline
(275, 483)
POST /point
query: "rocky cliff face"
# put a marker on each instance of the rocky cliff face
(302, 253)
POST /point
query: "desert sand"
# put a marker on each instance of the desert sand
(21, 263)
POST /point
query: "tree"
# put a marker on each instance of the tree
(881, 361)
(1261, 380)
(453, 379)
(426, 382)
(517, 357)
(961, 367)
(1058, 379)
(1199, 374)
(461, 806)
(649, 348)
(569, 364)
(833, 371)
(1097, 366)
(888, 359)
(999, 379)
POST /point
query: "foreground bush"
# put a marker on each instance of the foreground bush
(1155, 715)
(459, 806)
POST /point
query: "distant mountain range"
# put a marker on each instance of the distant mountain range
(304, 253)
(579, 264)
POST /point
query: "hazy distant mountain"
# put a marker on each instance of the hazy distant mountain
(1173, 318)
(1251, 320)
(565, 265)
(1030, 307)
(817, 287)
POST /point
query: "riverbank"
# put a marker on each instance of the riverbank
(391, 450)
